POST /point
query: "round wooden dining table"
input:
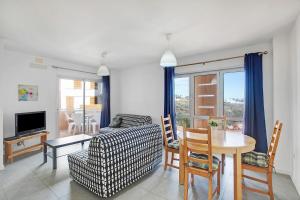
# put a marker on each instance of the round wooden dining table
(223, 142)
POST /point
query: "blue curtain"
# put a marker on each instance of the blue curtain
(254, 102)
(169, 106)
(105, 113)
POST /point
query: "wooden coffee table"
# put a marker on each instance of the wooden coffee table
(63, 142)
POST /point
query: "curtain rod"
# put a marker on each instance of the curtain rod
(217, 60)
(75, 70)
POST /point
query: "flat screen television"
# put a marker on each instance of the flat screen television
(26, 123)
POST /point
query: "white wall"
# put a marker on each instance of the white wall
(282, 100)
(1, 121)
(295, 97)
(114, 92)
(142, 91)
(14, 70)
(1, 140)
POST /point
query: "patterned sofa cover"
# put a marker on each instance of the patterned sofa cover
(117, 159)
(128, 120)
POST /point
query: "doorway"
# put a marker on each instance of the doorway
(79, 109)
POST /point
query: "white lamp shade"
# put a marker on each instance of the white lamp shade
(168, 59)
(103, 71)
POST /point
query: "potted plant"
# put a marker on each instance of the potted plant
(213, 124)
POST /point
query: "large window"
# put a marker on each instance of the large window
(182, 101)
(217, 93)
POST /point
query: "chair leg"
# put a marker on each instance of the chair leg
(270, 185)
(223, 163)
(219, 180)
(210, 187)
(192, 180)
(172, 158)
(186, 185)
(166, 158)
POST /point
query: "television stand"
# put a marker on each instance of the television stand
(10, 154)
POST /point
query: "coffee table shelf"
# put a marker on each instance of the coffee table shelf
(62, 142)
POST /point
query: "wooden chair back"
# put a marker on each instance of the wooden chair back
(274, 142)
(167, 128)
(199, 146)
(221, 121)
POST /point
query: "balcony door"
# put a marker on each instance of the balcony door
(79, 107)
(216, 93)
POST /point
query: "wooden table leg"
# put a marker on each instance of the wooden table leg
(8, 153)
(181, 164)
(237, 176)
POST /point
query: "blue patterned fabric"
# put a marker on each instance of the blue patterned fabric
(256, 159)
(174, 144)
(115, 160)
(215, 163)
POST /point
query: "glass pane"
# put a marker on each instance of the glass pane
(206, 95)
(234, 92)
(92, 107)
(70, 110)
(182, 101)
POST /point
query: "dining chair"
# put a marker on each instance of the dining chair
(171, 145)
(222, 125)
(262, 163)
(198, 160)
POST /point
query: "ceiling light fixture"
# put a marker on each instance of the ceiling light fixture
(103, 69)
(168, 59)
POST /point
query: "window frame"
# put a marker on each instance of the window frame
(220, 90)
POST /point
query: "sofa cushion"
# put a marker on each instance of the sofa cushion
(215, 163)
(256, 159)
(116, 122)
(129, 120)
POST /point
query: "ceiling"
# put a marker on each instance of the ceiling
(132, 31)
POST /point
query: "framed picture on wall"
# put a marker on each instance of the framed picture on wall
(28, 92)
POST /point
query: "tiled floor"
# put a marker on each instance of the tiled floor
(27, 179)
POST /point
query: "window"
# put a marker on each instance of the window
(182, 101)
(234, 91)
(218, 93)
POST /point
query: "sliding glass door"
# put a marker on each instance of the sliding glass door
(233, 99)
(79, 107)
(217, 93)
(182, 101)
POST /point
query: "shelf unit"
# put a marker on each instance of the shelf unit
(205, 98)
(10, 154)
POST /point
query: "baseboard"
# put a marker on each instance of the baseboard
(285, 172)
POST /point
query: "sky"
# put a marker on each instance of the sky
(234, 85)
